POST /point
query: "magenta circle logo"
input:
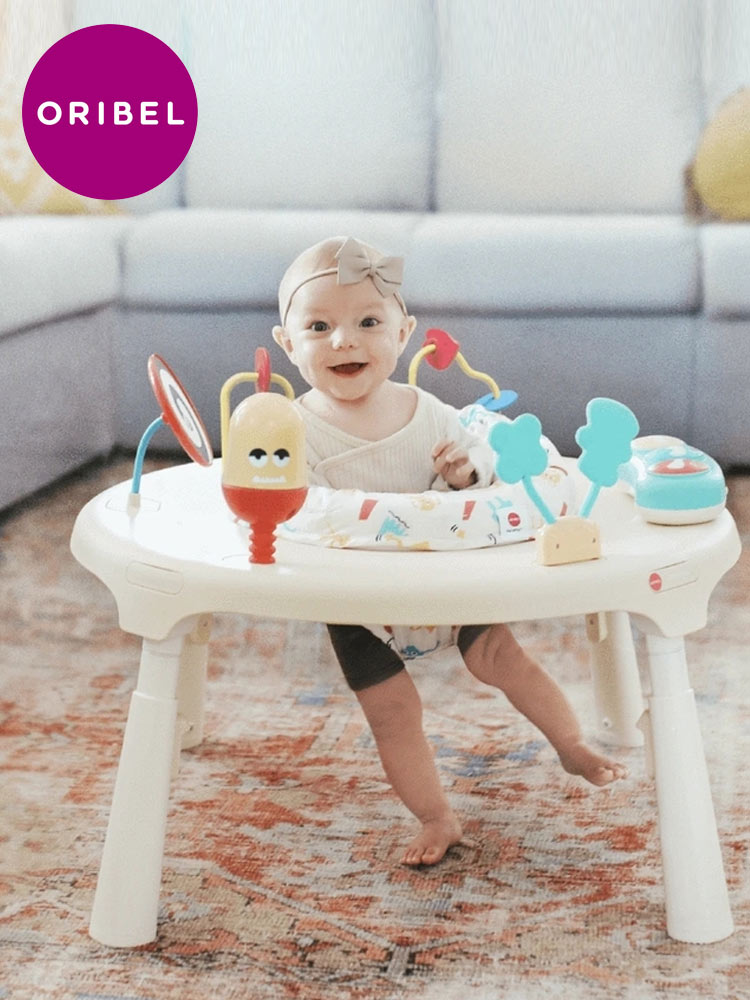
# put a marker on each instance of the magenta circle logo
(109, 111)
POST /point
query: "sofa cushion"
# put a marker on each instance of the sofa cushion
(52, 266)
(213, 257)
(726, 265)
(313, 105)
(720, 173)
(57, 401)
(209, 258)
(721, 402)
(567, 105)
(589, 264)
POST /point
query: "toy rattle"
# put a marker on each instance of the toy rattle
(440, 350)
(264, 477)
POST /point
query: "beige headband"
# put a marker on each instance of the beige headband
(355, 263)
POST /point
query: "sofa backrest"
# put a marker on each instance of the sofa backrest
(726, 51)
(315, 105)
(566, 106)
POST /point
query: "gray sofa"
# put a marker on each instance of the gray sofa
(527, 159)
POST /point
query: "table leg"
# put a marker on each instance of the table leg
(191, 686)
(127, 895)
(694, 882)
(617, 683)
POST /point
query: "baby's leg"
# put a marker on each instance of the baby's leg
(394, 711)
(495, 658)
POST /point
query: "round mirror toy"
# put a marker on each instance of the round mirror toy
(178, 412)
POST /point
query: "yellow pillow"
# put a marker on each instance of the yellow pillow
(721, 169)
(24, 187)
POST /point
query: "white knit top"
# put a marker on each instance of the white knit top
(400, 463)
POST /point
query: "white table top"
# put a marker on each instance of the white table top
(182, 553)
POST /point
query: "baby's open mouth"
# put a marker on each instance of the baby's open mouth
(350, 368)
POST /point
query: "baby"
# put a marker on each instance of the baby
(344, 325)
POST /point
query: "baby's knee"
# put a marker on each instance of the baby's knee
(494, 656)
(392, 705)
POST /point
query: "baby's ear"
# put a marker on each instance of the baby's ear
(408, 326)
(279, 335)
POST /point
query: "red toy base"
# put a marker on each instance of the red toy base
(263, 509)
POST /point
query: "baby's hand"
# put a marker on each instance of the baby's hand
(452, 462)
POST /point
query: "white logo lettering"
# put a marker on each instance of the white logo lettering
(122, 108)
(49, 121)
(122, 113)
(170, 112)
(148, 117)
(84, 110)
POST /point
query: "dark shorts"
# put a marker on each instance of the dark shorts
(366, 660)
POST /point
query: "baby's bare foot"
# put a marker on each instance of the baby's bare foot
(579, 758)
(434, 839)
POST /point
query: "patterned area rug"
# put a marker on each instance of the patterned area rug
(281, 873)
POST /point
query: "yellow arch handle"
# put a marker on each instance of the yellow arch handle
(226, 392)
(415, 361)
(482, 376)
(462, 363)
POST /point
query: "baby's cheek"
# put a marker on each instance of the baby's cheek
(306, 364)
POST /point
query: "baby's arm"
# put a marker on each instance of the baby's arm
(452, 462)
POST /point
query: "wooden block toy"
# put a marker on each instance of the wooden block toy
(568, 540)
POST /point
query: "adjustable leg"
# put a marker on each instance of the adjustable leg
(617, 684)
(127, 894)
(694, 881)
(191, 687)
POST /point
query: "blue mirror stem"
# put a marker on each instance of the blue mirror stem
(141, 453)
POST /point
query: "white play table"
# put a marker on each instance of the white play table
(180, 557)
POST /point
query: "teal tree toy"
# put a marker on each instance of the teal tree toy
(606, 443)
(520, 455)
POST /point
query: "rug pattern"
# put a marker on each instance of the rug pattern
(281, 876)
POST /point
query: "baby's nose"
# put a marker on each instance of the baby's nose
(344, 336)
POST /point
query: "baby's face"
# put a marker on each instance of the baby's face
(345, 339)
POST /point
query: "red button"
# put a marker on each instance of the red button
(514, 519)
(654, 581)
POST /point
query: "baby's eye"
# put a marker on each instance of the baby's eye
(319, 326)
(281, 457)
(257, 457)
(369, 321)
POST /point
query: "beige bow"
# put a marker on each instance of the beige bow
(356, 263)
